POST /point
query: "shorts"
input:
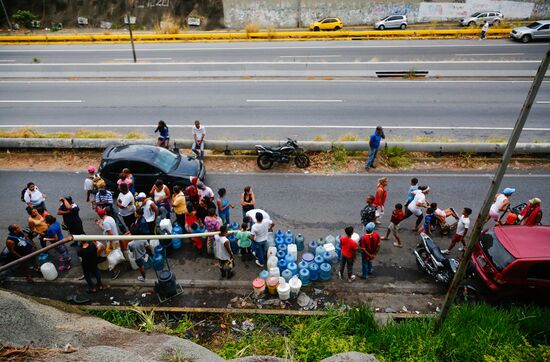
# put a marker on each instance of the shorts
(457, 238)
(394, 229)
(416, 212)
(140, 262)
(494, 215)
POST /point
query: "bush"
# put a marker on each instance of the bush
(25, 18)
(251, 28)
(397, 157)
(168, 25)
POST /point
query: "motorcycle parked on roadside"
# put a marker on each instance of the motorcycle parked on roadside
(267, 156)
(431, 260)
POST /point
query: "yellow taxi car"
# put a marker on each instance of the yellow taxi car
(327, 24)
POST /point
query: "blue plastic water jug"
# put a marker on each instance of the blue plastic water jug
(293, 268)
(290, 235)
(290, 258)
(328, 257)
(319, 250)
(281, 255)
(264, 274)
(281, 264)
(304, 276)
(313, 272)
(158, 262)
(279, 242)
(319, 260)
(312, 245)
(325, 271)
(303, 264)
(43, 258)
(289, 241)
(308, 257)
(299, 242)
(287, 274)
(159, 249)
(176, 230)
(284, 248)
(279, 234)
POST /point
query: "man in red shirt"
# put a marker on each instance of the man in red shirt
(370, 244)
(349, 249)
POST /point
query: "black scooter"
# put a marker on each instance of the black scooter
(283, 154)
(431, 260)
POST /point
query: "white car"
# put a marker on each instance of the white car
(538, 30)
(477, 19)
(391, 21)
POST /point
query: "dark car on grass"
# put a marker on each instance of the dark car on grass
(147, 164)
(509, 262)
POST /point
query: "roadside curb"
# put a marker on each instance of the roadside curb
(257, 36)
(334, 285)
(248, 145)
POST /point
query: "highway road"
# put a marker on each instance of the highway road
(274, 109)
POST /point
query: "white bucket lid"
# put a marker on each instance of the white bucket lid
(283, 288)
(295, 283)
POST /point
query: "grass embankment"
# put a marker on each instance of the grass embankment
(81, 133)
(471, 333)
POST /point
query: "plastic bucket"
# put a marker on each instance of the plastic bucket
(259, 286)
(308, 257)
(295, 284)
(284, 291)
(272, 282)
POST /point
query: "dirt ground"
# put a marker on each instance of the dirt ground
(321, 162)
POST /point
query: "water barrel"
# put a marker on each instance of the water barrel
(283, 247)
(303, 264)
(289, 235)
(289, 258)
(313, 272)
(264, 274)
(43, 258)
(304, 276)
(279, 234)
(300, 242)
(319, 250)
(293, 268)
(158, 262)
(293, 250)
(176, 243)
(281, 264)
(166, 286)
(312, 246)
(318, 260)
(325, 271)
(48, 271)
(287, 274)
(283, 290)
(308, 257)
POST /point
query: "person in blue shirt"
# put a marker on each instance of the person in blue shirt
(164, 136)
(53, 235)
(374, 144)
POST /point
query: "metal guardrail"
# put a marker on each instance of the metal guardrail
(248, 145)
(242, 36)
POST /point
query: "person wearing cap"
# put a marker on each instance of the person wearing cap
(369, 245)
(150, 210)
(532, 213)
(89, 183)
(374, 144)
(109, 227)
(500, 204)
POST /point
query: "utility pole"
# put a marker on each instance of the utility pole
(495, 185)
(131, 3)
(6, 14)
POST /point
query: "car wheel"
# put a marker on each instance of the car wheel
(472, 24)
(316, 28)
(470, 291)
(264, 162)
(301, 161)
(381, 27)
(526, 38)
(403, 26)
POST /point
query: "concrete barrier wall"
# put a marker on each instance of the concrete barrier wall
(298, 13)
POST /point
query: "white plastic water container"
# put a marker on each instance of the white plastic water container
(293, 250)
(330, 240)
(272, 251)
(284, 291)
(274, 272)
(272, 262)
(154, 243)
(48, 271)
(166, 225)
(270, 239)
(295, 284)
(355, 237)
(329, 247)
(128, 255)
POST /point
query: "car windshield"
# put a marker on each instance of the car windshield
(384, 18)
(534, 25)
(474, 15)
(499, 256)
(166, 160)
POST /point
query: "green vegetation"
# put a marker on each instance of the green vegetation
(339, 155)
(397, 157)
(81, 133)
(36, 60)
(24, 18)
(471, 333)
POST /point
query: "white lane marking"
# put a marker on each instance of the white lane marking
(282, 63)
(139, 58)
(489, 54)
(309, 56)
(7, 60)
(286, 126)
(41, 101)
(297, 100)
(543, 102)
(396, 81)
(254, 47)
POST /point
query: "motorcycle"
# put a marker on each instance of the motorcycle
(430, 260)
(283, 154)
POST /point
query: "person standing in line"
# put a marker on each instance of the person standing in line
(109, 227)
(199, 133)
(19, 245)
(139, 250)
(161, 195)
(164, 137)
(88, 256)
(224, 206)
(204, 190)
(34, 198)
(417, 204)
(69, 211)
(461, 230)
(179, 204)
(37, 225)
(370, 245)
(150, 211)
(258, 235)
(126, 205)
(484, 30)
(248, 200)
(244, 241)
(89, 184)
(380, 197)
(368, 213)
(349, 249)
(500, 205)
(374, 145)
(53, 235)
(224, 254)
(396, 218)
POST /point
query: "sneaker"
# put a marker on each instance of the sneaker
(446, 251)
(340, 275)
(350, 280)
(115, 274)
(367, 168)
(384, 238)
(461, 249)
(259, 264)
(352, 277)
(396, 244)
(141, 279)
(81, 277)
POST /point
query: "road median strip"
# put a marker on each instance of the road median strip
(244, 36)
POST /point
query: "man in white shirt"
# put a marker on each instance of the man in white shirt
(199, 133)
(258, 235)
(126, 205)
(417, 204)
(461, 230)
(150, 210)
(108, 225)
(205, 190)
(250, 215)
(33, 197)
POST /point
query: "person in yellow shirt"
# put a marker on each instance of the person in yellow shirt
(179, 204)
